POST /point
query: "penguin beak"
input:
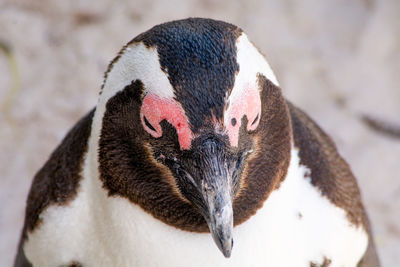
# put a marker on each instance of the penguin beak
(215, 186)
(220, 214)
(206, 175)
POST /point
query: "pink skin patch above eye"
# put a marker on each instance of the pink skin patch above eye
(156, 109)
(249, 104)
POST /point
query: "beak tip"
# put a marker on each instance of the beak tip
(226, 247)
(221, 228)
(227, 254)
(228, 250)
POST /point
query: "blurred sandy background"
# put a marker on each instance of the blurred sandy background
(336, 59)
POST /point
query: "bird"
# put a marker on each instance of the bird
(193, 157)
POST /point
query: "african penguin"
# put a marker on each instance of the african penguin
(192, 141)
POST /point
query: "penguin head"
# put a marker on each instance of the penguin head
(180, 119)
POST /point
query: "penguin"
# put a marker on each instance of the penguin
(193, 157)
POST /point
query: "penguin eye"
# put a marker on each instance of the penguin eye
(147, 123)
(151, 125)
(155, 109)
(245, 102)
(255, 120)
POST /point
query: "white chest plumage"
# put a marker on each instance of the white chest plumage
(296, 226)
